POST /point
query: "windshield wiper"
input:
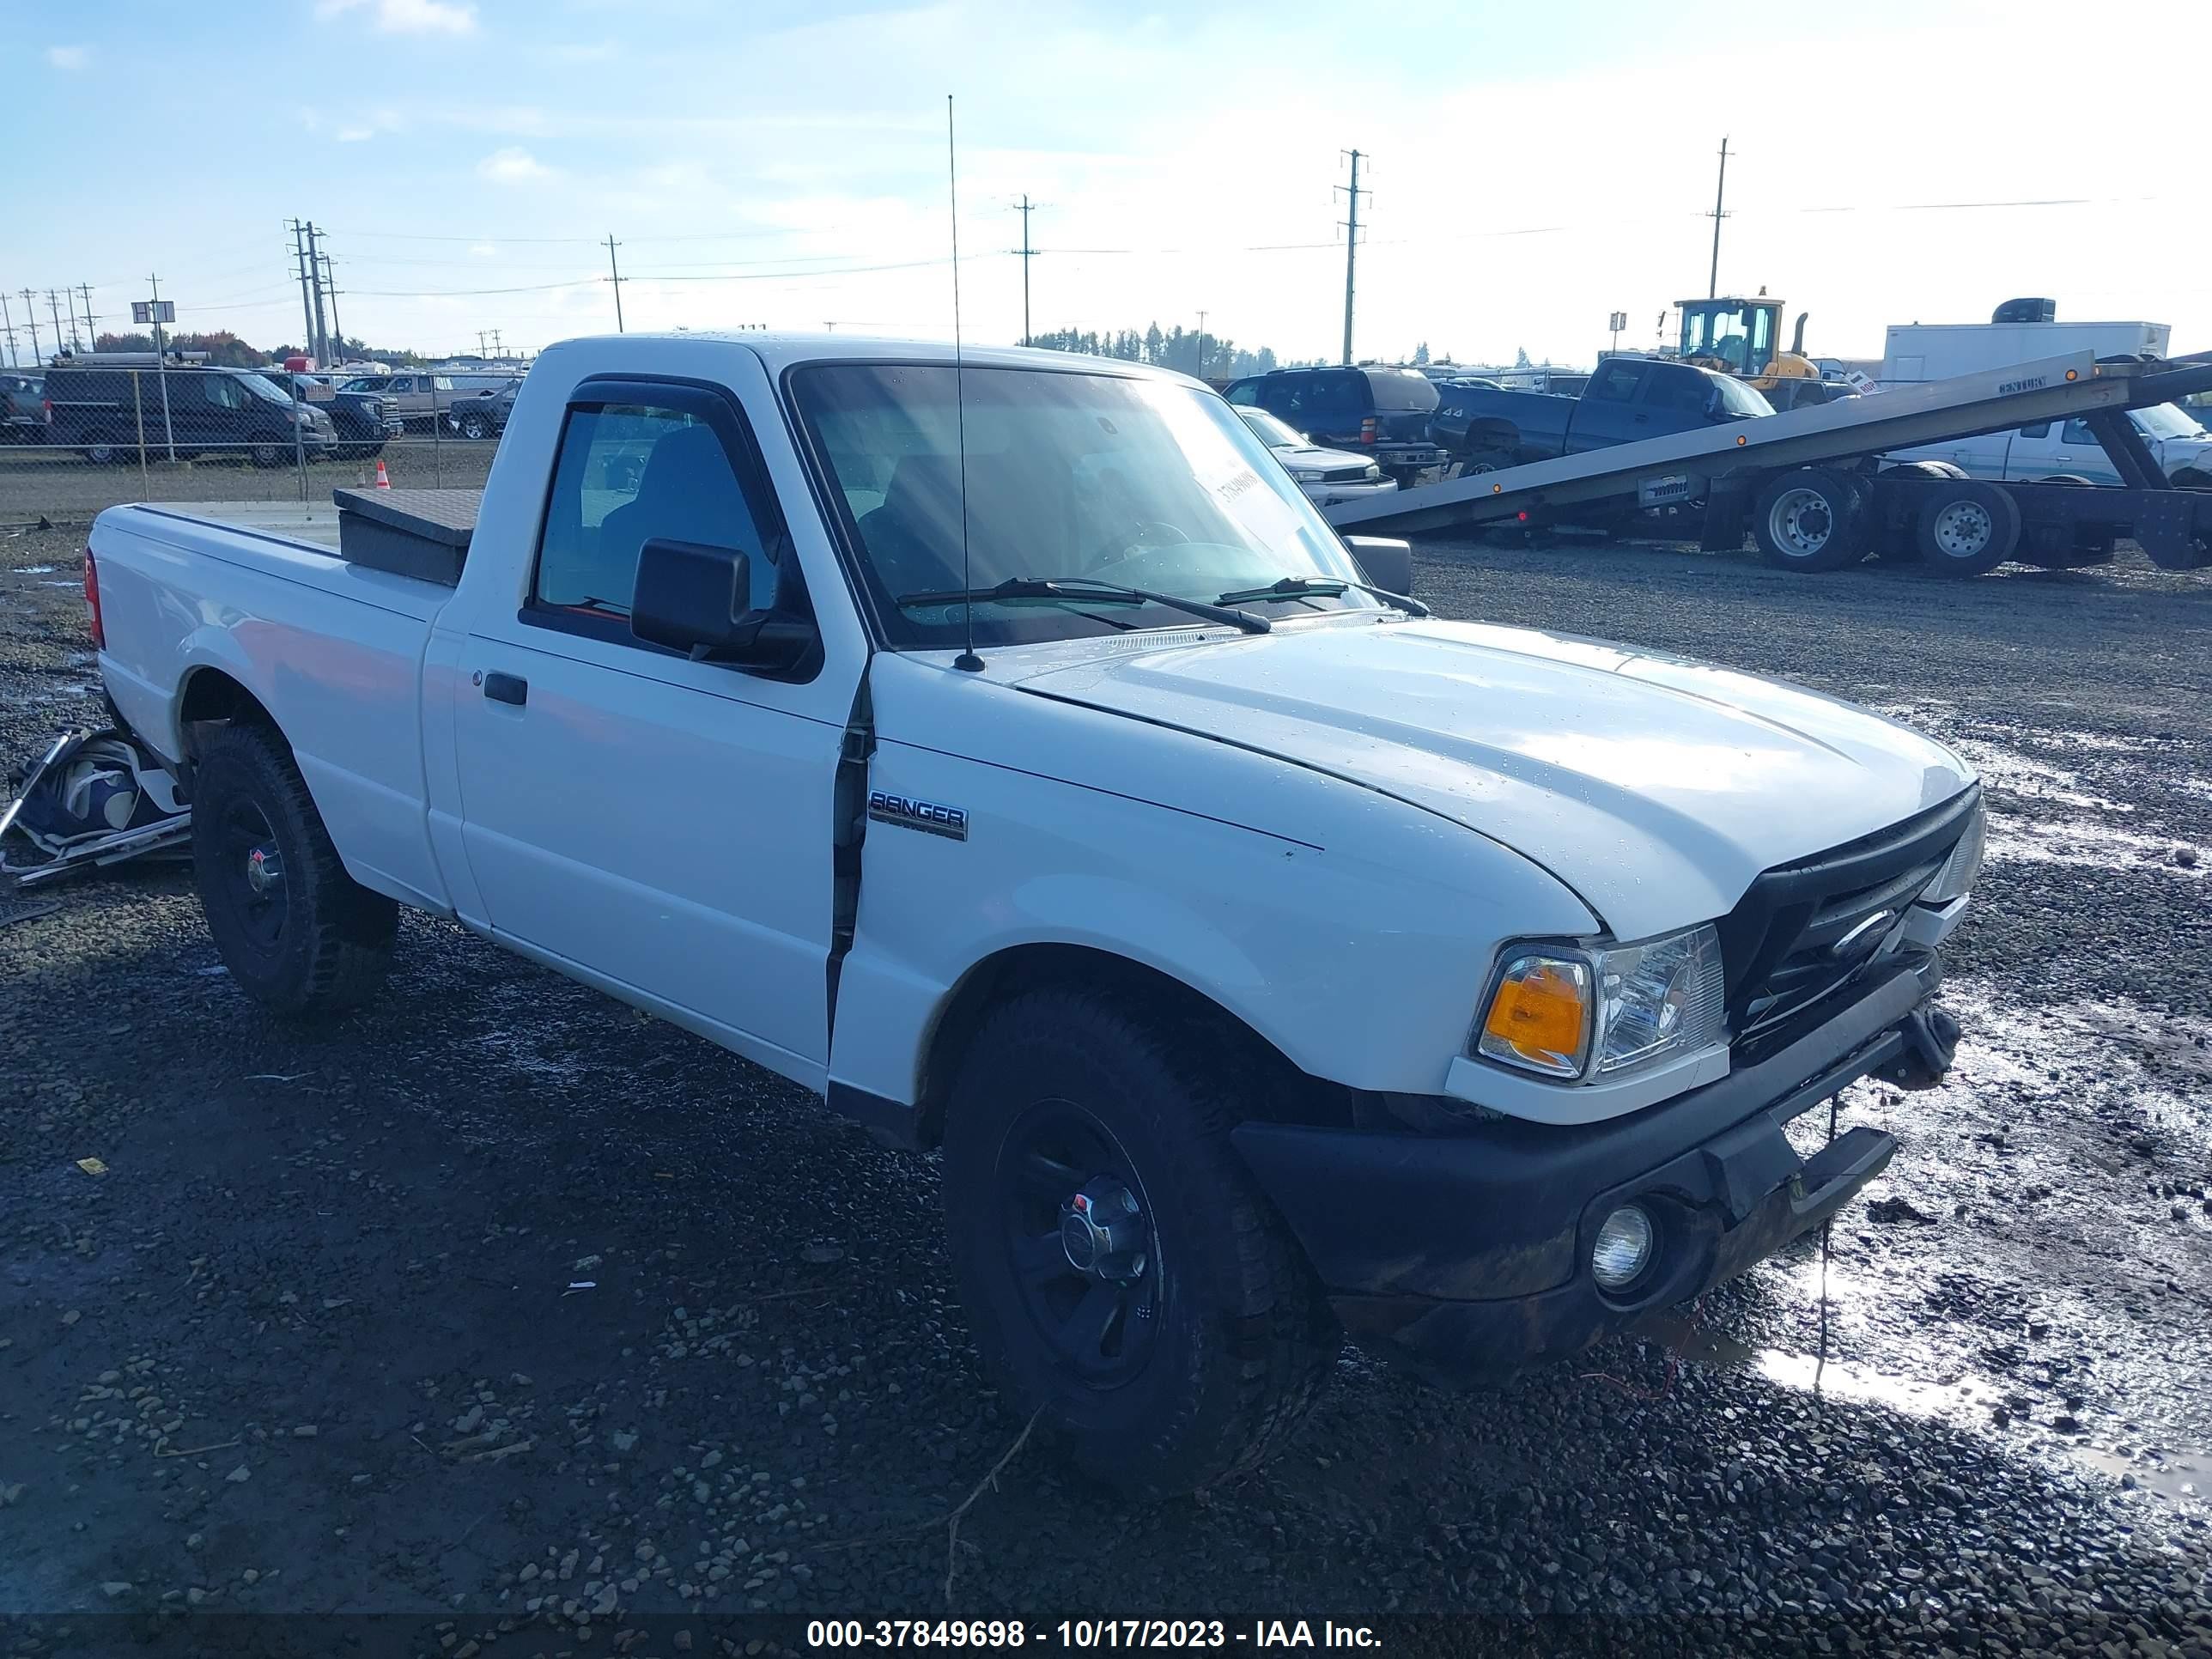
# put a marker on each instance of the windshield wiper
(1320, 587)
(1085, 588)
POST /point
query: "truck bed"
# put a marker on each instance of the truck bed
(192, 599)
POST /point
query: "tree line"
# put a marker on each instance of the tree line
(225, 350)
(1222, 360)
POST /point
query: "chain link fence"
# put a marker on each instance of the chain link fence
(97, 436)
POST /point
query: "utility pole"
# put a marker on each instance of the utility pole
(498, 347)
(322, 343)
(617, 279)
(31, 316)
(8, 327)
(1201, 342)
(1350, 224)
(307, 307)
(91, 335)
(162, 371)
(54, 311)
(1713, 281)
(1025, 206)
(330, 282)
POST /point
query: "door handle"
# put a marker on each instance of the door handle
(506, 688)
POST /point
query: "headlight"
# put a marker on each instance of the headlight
(1957, 876)
(1571, 1012)
(1373, 472)
(1305, 475)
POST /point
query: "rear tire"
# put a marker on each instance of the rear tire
(298, 934)
(475, 428)
(1203, 1336)
(1811, 519)
(1968, 527)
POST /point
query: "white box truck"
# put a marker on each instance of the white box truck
(1940, 351)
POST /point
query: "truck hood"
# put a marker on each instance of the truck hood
(1656, 787)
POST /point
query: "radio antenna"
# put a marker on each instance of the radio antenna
(967, 660)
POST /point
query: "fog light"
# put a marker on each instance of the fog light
(1624, 1249)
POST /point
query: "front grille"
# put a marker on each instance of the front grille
(1805, 930)
(1344, 474)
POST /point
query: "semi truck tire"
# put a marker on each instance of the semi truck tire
(1811, 519)
(298, 934)
(1968, 527)
(1124, 1278)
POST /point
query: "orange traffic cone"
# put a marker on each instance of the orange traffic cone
(383, 478)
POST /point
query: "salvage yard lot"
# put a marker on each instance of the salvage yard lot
(499, 1302)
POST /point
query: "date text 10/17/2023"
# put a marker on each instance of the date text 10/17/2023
(1083, 1634)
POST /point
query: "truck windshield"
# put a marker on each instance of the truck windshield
(1737, 399)
(1138, 482)
(2165, 420)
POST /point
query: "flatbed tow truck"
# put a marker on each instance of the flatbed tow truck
(1810, 487)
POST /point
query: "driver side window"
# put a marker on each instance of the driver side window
(627, 474)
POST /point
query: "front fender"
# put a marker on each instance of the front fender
(1355, 942)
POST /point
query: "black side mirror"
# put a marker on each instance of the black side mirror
(697, 599)
(1386, 562)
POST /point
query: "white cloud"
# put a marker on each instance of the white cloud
(408, 17)
(512, 165)
(68, 57)
(356, 135)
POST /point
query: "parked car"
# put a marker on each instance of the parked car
(1627, 399)
(1019, 760)
(22, 408)
(1328, 475)
(363, 421)
(418, 398)
(1381, 413)
(483, 413)
(2068, 450)
(105, 403)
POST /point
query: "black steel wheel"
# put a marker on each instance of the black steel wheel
(296, 931)
(1125, 1278)
(1079, 1236)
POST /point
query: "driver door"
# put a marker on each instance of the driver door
(656, 825)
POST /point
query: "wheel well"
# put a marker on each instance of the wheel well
(1494, 434)
(211, 697)
(2191, 477)
(1287, 1090)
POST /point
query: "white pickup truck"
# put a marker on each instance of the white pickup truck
(1012, 755)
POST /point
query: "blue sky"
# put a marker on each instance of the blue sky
(1535, 168)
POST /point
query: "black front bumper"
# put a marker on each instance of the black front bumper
(1470, 1252)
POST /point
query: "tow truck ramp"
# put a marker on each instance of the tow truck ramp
(1807, 482)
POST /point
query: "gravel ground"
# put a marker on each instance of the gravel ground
(499, 1308)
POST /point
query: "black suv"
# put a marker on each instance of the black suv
(1381, 413)
(364, 421)
(105, 403)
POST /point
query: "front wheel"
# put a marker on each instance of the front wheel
(475, 428)
(267, 454)
(297, 932)
(1124, 1276)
